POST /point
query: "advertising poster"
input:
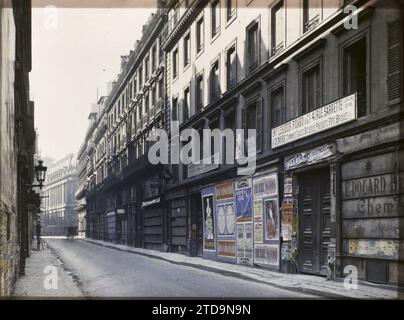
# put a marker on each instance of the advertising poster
(271, 218)
(227, 248)
(245, 243)
(258, 222)
(226, 220)
(243, 198)
(208, 221)
(266, 186)
(266, 254)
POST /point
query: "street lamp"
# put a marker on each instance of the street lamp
(40, 172)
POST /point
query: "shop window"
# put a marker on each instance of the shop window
(355, 73)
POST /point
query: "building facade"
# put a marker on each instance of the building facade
(323, 89)
(58, 215)
(320, 82)
(17, 142)
(123, 191)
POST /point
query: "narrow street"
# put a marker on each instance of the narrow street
(104, 272)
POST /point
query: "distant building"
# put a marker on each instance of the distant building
(58, 212)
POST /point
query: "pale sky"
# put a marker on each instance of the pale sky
(68, 64)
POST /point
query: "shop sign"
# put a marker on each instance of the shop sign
(324, 118)
(120, 211)
(309, 157)
(369, 139)
(266, 254)
(375, 248)
(380, 228)
(150, 202)
(379, 185)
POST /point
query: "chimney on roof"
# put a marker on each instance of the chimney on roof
(124, 61)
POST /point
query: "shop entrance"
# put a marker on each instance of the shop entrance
(314, 221)
(196, 225)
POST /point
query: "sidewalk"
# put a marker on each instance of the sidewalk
(295, 282)
(32, 285)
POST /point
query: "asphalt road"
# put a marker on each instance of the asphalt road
(105, 272)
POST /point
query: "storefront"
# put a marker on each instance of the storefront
(152, 224)
(372, 207)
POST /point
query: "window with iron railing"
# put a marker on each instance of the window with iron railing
(214, 81)
(200, 35)
(278, 27)
(253, 46)
(231, 67)
(311, 14)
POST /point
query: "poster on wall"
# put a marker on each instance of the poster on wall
(258, 222)
(226, 219)
(243, 198)
(266, 186)
(271, 218)
(227, 248)
(266, 254)
(245, 243)
(209, 226)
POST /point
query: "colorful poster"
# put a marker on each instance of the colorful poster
(258, 222)
(243, 199)
(224, 191)
(271, 218)
(266, 186)
(245, 243)
(226, 219)
(267, 254)
(209, 226)
(227, 248)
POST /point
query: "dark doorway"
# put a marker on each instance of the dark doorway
(196, 225)
(314, 221)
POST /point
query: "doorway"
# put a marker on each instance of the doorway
(314, 221)
(196, 225)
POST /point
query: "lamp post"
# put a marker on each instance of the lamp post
(40, 172)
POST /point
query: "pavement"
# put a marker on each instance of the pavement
(41, 268)
(298, 283)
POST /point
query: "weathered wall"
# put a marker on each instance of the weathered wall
(9, 250)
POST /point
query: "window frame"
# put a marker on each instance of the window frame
(313, 63)
(213, 97)
(251, 67)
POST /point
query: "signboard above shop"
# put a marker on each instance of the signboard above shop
(324, 118)
(309, 157)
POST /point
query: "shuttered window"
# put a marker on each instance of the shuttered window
(394, 63)
(251, 118)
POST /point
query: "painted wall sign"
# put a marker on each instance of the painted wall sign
(209, 225)
(369, 139)
(266, 186)
(258, 221)
(309, 157)
(245, 243)
(381, 228)
(243, 200)
(227, 248)
(387, 249)
(369, 186)
(324, 118)
(266, 254)
(226, 219)
(271, 219)
(389, 206)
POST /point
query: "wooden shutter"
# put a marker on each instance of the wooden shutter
(259, 124)
(394, 64)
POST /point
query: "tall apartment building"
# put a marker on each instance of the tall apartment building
(324, 95)
(123, 191)
(58, 215)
